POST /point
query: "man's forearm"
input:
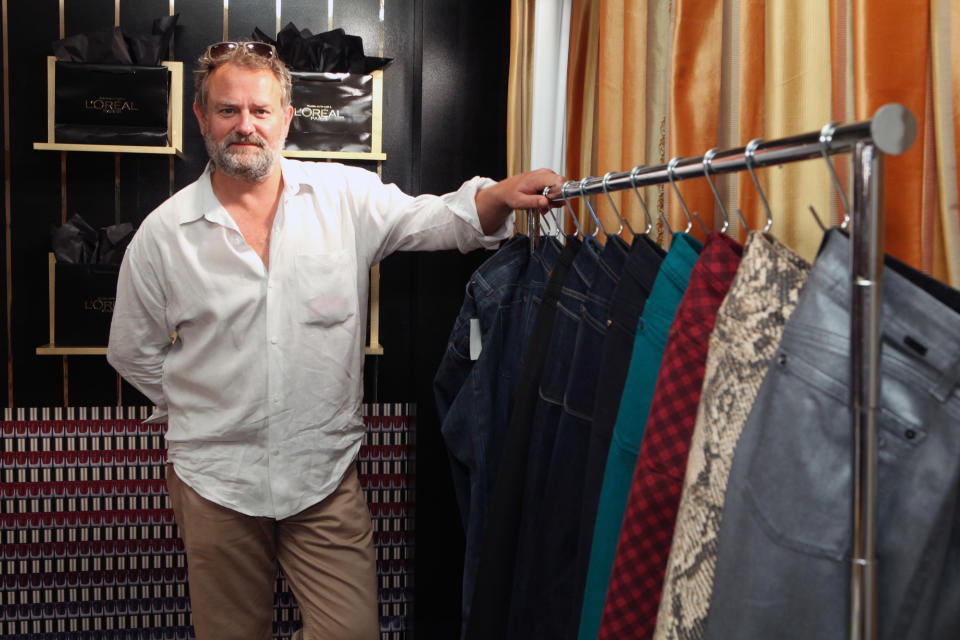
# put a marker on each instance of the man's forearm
(522, 191)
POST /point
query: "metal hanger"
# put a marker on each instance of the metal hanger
(566, 201)
(671, 167)
(643, 205)
(743, 221)
(553, 214)
(826, 137)
(593, 214)
(748, 152)
(707, 159)
(623, 221)
(817, 218)
(707, 169)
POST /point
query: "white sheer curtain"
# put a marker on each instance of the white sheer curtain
(550, 53)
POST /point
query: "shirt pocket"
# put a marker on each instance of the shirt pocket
(326, 288)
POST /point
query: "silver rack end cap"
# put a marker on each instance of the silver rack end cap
(893, 128)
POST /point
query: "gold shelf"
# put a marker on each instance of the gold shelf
(54, 350)
(105, 148)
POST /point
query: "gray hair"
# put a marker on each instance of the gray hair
(240, 57)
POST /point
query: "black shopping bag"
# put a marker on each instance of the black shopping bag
(331, 112)
(84, 296)
(111, 104)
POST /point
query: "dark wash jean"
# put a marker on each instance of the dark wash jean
(783, 564)
(576, 291)
(491, 598)
(556, 516)
(473, 397)
(633, 289)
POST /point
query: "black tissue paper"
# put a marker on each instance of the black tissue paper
(113, 46)
(330, 52)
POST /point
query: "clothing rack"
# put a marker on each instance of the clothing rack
(892, 130)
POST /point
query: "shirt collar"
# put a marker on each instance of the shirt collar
(207, 205)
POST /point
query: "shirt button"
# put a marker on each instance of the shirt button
(273, 340)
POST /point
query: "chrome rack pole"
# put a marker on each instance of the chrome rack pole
(866, 270)
(892, 131)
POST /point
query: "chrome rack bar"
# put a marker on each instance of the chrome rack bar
(891, 131)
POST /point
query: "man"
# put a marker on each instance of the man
(240, 314)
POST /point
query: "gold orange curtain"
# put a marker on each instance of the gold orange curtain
(797, 98)
(582, 74)
(749, 120)
(618, 132)
(519, 86)
(648, 81)
(694, 100)
(626, 102)
(629, 77)
(945, 29)
(891, 58)
(520, 91)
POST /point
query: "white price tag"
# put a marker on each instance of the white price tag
(474, 338)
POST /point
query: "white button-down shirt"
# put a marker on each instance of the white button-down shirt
(264, 382)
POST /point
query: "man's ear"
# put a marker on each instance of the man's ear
(287, 119)
(201, 118)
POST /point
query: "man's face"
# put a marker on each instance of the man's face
(243, 123)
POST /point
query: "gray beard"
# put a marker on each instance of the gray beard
(242, 166)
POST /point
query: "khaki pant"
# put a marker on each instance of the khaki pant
(326, 553)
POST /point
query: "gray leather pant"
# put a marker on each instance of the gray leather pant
(783, 566)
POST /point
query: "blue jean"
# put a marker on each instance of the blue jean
(557, 513)
(633, 289)
(490, 606)
(783, 564)
(576, 291)
(473, 396)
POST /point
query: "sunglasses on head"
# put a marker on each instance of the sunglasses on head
(261, 49)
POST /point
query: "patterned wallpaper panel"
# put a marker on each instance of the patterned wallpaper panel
(88, 543)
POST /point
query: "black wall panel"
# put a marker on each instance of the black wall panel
(401, 90)
(200, 24)
(34, 201)
(137, 17)
(87, 15)
(444, 121)
(465, 49)
(90, 180)
(245, 15)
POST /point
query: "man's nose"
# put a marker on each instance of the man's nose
(245, 126)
